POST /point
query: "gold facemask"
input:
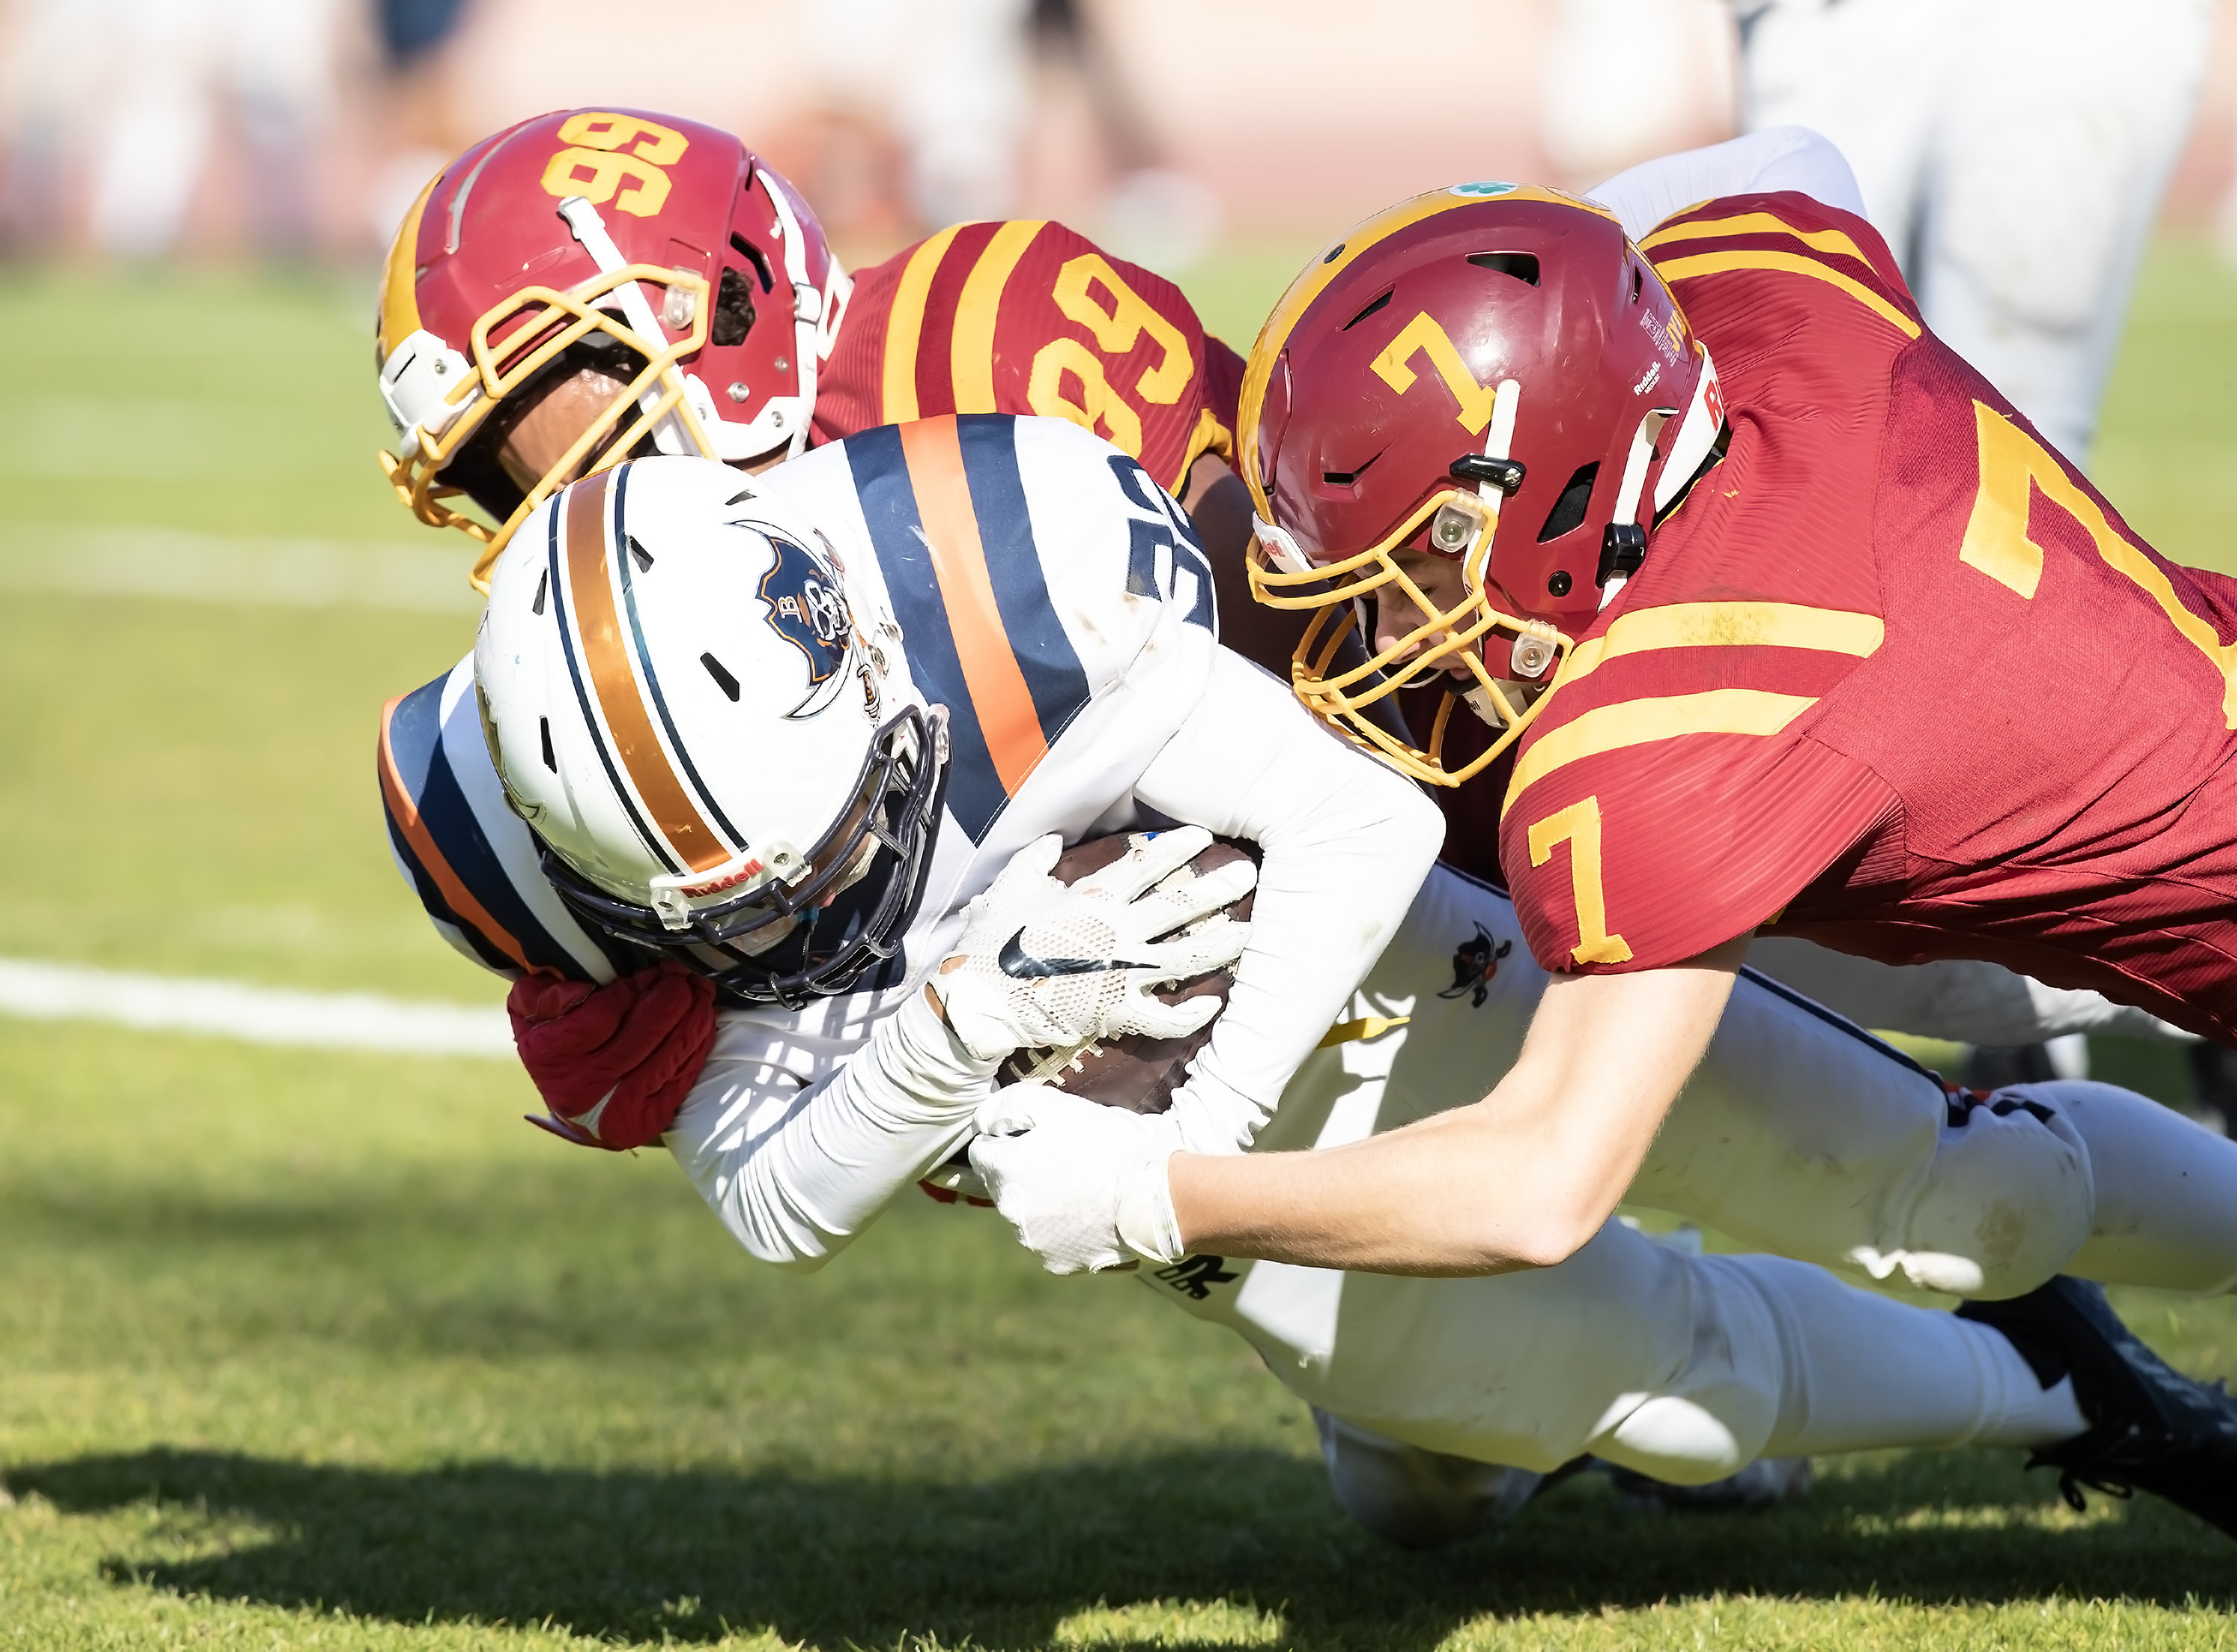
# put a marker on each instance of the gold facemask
(1460, 525)
(549, 323)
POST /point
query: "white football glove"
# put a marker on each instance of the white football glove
(1085, 1186)
(1044, 963)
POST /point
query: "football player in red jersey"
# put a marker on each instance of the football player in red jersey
(1708, 528)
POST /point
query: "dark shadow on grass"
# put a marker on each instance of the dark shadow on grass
(637, 1554)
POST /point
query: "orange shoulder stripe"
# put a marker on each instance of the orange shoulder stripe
(934, 452)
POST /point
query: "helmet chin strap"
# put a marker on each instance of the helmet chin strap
(1620, 559)
(1696, 432)
(814, 324)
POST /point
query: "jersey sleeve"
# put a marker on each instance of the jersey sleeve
(1669, 796)
(1028, 316)
(800, 1131)
(1781, 159)
(466, 856)
(1345, 842)
(1778, 273)
(1642, 856)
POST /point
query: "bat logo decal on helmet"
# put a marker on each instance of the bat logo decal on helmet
(806, 607)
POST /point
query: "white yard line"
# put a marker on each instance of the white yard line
(428, 578)
(251, 1014)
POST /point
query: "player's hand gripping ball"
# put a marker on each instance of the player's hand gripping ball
(1057, 963)
(1137, 1072)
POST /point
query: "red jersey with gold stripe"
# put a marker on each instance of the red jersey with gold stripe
(1027, 317)
(1895, 677)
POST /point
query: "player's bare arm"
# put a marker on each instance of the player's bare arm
(1522, 1179)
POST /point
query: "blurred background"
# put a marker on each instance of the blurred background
(300, 128)
(252, 1290)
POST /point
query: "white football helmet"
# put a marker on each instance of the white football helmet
(696, 711)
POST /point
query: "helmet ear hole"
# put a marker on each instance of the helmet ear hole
(734, 309)
(1638, 282)
(1568, 512)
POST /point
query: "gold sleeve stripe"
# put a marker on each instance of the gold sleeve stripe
(1755, 223)
(1794, 264)
(1642, 722)
(905, 326)
(972, 348)
(1728, 625)
(1209, 435)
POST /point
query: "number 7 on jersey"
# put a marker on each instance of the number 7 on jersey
(1578, 825)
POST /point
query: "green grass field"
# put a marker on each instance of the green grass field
(333, 1350)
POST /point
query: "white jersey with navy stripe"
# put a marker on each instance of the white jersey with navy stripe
(1056, 602)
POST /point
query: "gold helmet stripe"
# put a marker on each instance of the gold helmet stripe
(1274, 337)
(614, 684)
(400, 297)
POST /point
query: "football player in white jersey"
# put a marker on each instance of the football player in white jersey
(902, 664)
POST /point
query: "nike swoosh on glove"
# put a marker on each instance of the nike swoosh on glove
(1085, 1186)
(1046, 963)
(613, 1062)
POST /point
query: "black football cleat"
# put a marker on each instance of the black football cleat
(2151, 1428)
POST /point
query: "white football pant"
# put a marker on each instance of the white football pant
(1799, 1135)
(2012, 152)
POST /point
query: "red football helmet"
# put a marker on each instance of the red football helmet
(1485, 373)
(660, 248)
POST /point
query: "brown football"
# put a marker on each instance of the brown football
(1138, 1073)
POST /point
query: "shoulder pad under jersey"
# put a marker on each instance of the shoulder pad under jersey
(1030, 569)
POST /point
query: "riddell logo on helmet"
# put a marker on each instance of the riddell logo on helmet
(752, 869)
(806, 608)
